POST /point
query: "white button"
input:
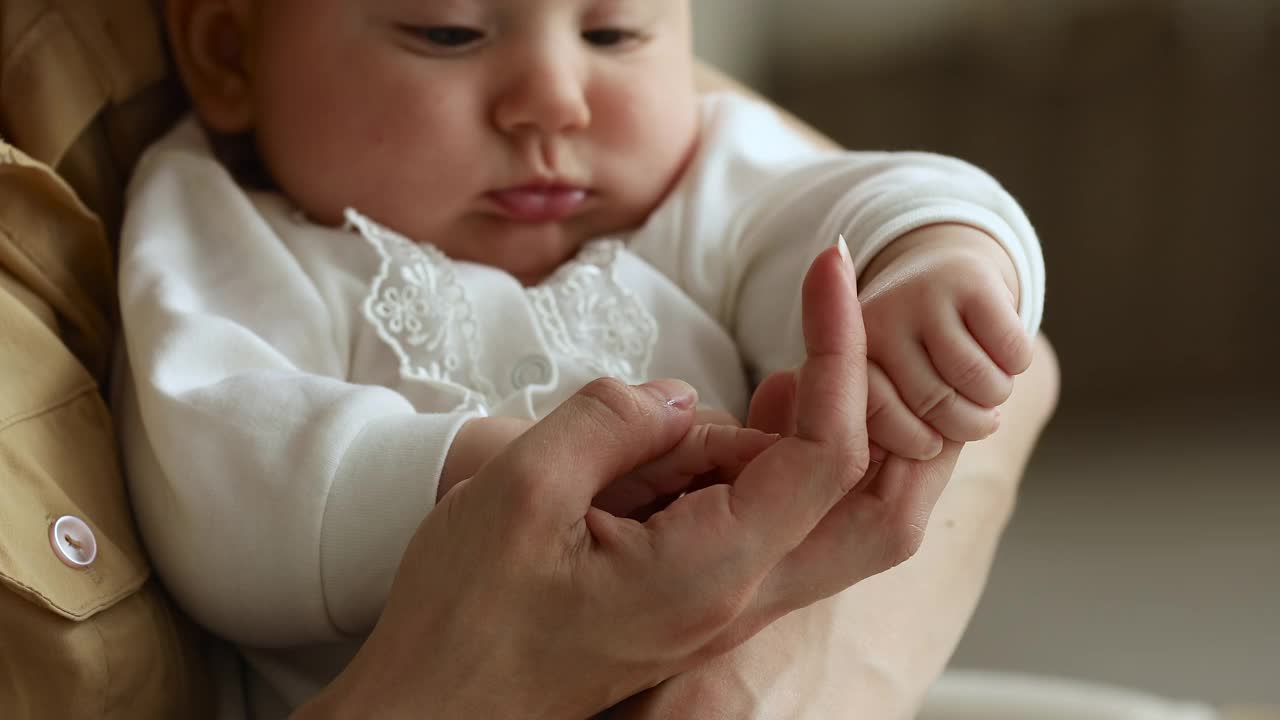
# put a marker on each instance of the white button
(73, 542)
(532, 370)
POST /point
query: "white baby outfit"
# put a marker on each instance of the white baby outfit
(292, 390)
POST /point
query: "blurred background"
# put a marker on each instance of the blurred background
(1143, 139)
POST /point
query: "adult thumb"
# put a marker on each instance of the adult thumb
(605, 430)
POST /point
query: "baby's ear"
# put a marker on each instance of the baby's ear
(210, 42)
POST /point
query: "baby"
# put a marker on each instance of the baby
(472, 208)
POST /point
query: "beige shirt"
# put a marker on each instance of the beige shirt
(96, 639)
(86, 631)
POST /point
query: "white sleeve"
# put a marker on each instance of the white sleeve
(275, 497)
(759, 203)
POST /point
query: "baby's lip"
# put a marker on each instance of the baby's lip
(540, 202)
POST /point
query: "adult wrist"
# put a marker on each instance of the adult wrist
(376, 694)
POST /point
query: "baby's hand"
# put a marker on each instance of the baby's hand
(944, 339)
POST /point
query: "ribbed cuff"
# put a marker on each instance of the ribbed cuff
(384, 488)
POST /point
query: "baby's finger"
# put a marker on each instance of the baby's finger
(891, 424)
(964, 364)
(995, 324)
(704, 448)
(706, 415)
(933, 400)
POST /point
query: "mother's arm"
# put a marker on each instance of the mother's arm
(873, 650)
(709, 79)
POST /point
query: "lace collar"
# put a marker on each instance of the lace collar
(418, 302)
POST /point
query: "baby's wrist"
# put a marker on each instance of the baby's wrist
(943, 237)
(477, 441)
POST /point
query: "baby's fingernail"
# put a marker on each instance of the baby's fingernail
(673, 393)
(878, 454)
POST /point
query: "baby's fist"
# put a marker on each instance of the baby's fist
(941, 314)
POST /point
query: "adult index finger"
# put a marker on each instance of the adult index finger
(831, 392)
(604, 431)
(783, 494)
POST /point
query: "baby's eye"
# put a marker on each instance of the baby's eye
(446, 36)
(609, 37)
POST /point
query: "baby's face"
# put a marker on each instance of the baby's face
(506, 132)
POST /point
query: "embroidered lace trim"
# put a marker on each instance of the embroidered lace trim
(420, 309)
(588, 316)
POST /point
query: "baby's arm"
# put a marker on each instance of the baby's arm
(944, 338)
(760, 203)
(478, 440)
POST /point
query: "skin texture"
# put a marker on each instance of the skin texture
(330, 84)
(945, 339)
(339, 94)
(600, 607)
(873, 650)
(594, 98)
(938, 368)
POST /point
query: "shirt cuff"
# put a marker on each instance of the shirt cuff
(383, 490)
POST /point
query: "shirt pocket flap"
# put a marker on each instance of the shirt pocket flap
(58, 459)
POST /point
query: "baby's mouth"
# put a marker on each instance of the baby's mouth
(539, 203)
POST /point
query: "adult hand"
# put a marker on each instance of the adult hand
(517, 598)
(875, 648)
(866, 652)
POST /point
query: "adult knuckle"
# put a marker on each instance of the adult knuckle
(719, 612)
(525, 482)
(859, 347)
(877, 407)
(703, 614)
(722, 607)
(903, 543)
(852, 465)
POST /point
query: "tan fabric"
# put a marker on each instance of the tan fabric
(100, 642)
(80, 87)
(84, 88)
(55, 247)
(64, 60)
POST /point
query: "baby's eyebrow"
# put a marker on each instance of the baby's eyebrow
(410, 5)
(634, 9)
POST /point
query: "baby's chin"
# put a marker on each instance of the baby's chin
(532, 269)
(528, 253)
